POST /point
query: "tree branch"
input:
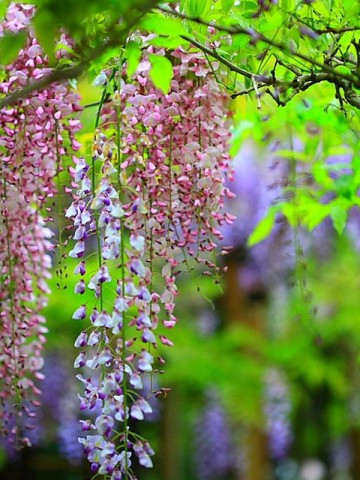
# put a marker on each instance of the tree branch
(224, 61)
(117, 37)
(299, 83)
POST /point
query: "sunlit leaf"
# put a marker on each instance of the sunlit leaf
(133, 55)
(339, 216)
(161, 72)
(163, 25)
(263, 228)
(198, 8)
(3, 7)
(168, 42)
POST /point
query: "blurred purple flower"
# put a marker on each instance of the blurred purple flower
(277, 409)
(259, 184)
(69, 429)
(213, 444)
(55, 383)
(207, 322)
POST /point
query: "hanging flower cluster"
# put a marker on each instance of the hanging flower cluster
(153, 198)
(34, 136)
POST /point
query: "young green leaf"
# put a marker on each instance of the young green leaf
(339, 217)
(3, 7)
(10, 45)
(198, 8)
(163, 25)
(133, 55)
(168, 42)
(45, 24)
(161, 72)
(263, 228)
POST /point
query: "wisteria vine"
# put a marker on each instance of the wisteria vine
(36, 134)
(153, 198)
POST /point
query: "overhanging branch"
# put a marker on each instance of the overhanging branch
(116, 38)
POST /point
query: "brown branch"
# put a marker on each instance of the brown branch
(96, 104)
(322, 31)
(336, 30)
(292, 68)
(38, 85)
(299, 83)
(213, 53)
(246, 91)
(302, 83)
(116, 38)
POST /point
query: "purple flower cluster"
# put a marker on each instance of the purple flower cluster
(114, 370)
(277, 410)
(213, 444)
(57, 419)
(258, 184)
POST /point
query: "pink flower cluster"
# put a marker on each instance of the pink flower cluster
(35, 135)
(175, 148)
(153, 198)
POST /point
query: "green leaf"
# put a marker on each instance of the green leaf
(10, 45)
(339, 217)
(45, 24)
(161, 72)
(3, 8)
(67, 48)
(343, 70)
(163, 25)
(169, 43)
(263, 228)
(226, 6)
(198, 8)
(133, 55)
(314, 214)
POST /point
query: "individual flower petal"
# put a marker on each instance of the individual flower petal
(137, 242)
(78, 250)
(81, 340)
(80, 287)
(100, 80)
(104, 425)
(80, 313)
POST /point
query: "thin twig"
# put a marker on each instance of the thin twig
(223, 60)
(257, 36)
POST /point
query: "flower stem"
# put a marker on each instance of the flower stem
(122, 254)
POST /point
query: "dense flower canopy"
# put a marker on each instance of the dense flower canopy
(154, 190)
(36, 134)
(158, 194)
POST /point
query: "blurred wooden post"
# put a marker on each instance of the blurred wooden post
(239, 308)
(170, 448)
(354, 376)
(355, 451)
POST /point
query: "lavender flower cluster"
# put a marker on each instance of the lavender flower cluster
(213, 445)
